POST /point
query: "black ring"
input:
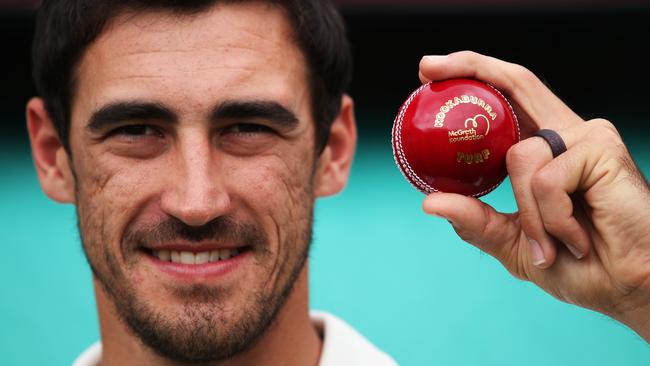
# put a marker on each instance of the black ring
(554, 140)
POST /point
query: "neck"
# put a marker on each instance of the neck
(291, 340)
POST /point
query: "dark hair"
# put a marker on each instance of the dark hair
(65, 29)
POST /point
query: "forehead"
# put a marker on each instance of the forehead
(232, 51)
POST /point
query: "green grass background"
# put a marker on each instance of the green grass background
(400, 277)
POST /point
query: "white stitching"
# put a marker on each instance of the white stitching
(399, 156)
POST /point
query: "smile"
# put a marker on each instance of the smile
(184, 257)
(189, 263)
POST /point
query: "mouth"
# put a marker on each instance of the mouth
(196, 257)
(190, 264)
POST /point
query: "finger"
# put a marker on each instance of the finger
(423, 78)
(573, 170)
(522, 86)
(523, 161)
(479, 224)
(552, 186)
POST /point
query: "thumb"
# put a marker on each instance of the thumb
(478, 224)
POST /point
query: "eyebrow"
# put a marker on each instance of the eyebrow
(266, 110)
(118, 112)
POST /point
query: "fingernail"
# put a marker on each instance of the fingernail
(537, 253)
(434, 57)
(576, 253)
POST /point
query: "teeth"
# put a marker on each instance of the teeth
(195, 258)
(201, 258)
(187, 258)
(214, 255)
(165, 255)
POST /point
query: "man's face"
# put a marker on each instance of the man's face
(192, 138)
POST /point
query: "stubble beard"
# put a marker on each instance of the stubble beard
(204, 330)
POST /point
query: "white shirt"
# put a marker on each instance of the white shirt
(342, 346)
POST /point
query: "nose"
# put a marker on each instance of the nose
(195, 192)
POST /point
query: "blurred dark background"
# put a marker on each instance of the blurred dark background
(593, 54)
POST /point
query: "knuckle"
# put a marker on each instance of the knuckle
(605, 130)
(554, 225)
(514, 158)
(542, 183)
(466, 54)
(523, 73)
(519, 155)
(470, 57)
(603, 123)
(522, 77)
(606, 138)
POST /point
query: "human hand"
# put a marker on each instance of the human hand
(582, 231)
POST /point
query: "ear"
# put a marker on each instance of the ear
(50, 158)
(335, 161)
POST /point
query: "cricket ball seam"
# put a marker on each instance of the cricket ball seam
(400, 157)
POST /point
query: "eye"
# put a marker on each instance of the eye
(247, 129)
(136, 131)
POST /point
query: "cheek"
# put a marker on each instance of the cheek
(280, 196)
(108, 196)
(118, 182)
(280, 191)
(281, 182)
